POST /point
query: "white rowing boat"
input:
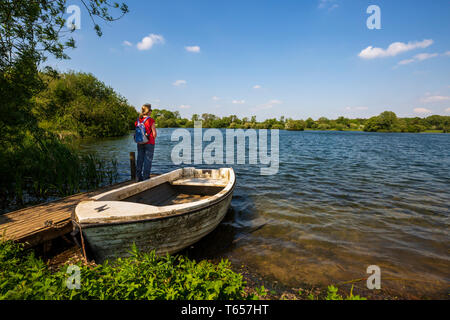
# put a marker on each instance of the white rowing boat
(167, 213)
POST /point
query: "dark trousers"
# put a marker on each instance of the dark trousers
(144, 161)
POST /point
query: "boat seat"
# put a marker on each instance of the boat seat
(207, 182)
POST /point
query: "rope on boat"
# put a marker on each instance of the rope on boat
(82, 240)
(56, 226)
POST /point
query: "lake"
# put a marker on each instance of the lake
(340, 202)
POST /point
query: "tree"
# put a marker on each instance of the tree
(388, 118)
(323, 120)
(386, 121)
(30, 32)
(297, 125)
(310, 123)
(80, 104)
(436, 122)
(343, 121)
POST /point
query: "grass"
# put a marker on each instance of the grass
(433, 131)
(332, 294)
(35, 172)
(334, 129)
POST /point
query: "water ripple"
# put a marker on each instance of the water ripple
(340, 202)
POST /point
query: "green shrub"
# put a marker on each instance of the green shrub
(141, 276)
(332, 294)
(80, 103)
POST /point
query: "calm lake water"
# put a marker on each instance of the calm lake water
(340, 202)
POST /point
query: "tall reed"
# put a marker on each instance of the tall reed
(46, 169)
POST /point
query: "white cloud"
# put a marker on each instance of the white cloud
(148, 42)
(256, 86)
(334, 6)
(393, 49)
(184, 106)
(425, 56)
(327, 4)
(434, 99)
(238, 101)
(419, 57)
(322, 3)
(127, 43)
(422, 110)
(406, 61)
(215, 98)
(179, 83)
(447, 110)
(273, 102)
(268, 105)
(195, 49)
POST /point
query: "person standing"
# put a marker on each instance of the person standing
(147, 149)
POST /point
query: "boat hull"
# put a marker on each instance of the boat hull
(164, 235)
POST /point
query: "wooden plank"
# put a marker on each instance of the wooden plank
(45, 235)
(133, 165)
(201, 182)
(40, 223)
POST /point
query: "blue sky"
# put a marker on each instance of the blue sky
(300, 58)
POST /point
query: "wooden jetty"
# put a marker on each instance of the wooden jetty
(42, 223)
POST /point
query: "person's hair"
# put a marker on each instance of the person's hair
(146, 110)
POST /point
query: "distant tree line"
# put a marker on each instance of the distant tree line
(385, 122)
(388, 122)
